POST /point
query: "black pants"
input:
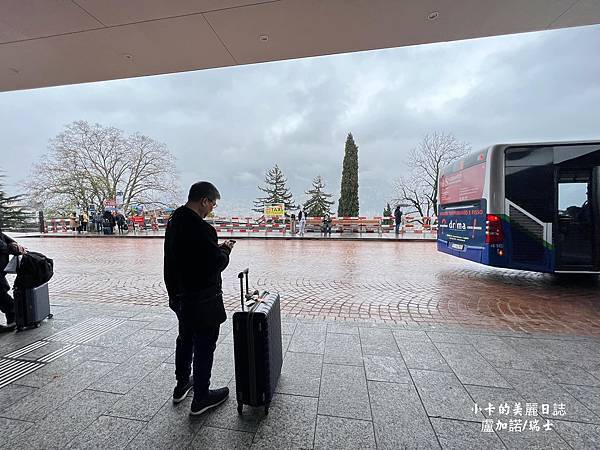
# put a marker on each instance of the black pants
(198, 344)
(7, 304)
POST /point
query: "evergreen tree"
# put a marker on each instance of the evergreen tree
(348, 205)
(318, 204)
(276, 190)
(11, 214)
(387, 211)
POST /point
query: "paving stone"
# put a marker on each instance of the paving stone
(288, 327)
(500, 353)
(579, 435)
(226, 415)
(223, 369)
(343, 349)
(470, 367)
(166, 340)
(13, 393)
(120, 335)
(342, 433)
(53, 395)
(143, 401)
(127, 375)
(453, 338)
(308, 339)
(11, 430)
(386, 368)
(341, 328)
(535, 387)
(410, 335)
(67, 422)
(301, 374)
(443, 395)
(378, 341)
(422, 355)
(107, 432)
(483, 396)
(587, 395)
(285, 343)
(398, 417)
(344, 392)
(290, 424)
(456, 434)
(565, 371)
(171, 428)
(219, 438)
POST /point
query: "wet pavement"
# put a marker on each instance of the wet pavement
(391, 282)
(386, 345)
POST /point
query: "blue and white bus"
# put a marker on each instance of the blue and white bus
(524, 206)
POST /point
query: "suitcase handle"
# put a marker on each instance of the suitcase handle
(241, 277)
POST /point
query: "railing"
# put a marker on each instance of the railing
(361, 224)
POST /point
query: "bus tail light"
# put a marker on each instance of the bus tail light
(493, 230)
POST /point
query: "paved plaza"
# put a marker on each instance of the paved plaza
(387, 345)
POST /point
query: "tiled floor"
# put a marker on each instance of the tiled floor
(343, 385)
(393, 282)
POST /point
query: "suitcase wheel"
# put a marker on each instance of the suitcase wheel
(240, 407)
(50, 316)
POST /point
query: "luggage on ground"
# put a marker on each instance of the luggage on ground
(257, 347)
(32, 305)
(32, 301)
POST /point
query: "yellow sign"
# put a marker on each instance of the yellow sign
(275, 210)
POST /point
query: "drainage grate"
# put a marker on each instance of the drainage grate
(25, 350)
(58, 353)
(13, 369)
(85, 331)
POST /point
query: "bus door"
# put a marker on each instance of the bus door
(577, 224)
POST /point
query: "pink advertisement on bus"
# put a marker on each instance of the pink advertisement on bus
(464, 185)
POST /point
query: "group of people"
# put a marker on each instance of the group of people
(100, 222)
(301, 217)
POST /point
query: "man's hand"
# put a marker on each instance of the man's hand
(19, 249)
(228, 244)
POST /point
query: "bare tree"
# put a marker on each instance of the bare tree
(420, 188)
(88, 164)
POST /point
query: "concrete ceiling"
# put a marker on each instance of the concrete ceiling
(56, 42)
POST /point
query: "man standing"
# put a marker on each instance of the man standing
(301, 221)
(398, 218)
(192, 269)
(7, 305)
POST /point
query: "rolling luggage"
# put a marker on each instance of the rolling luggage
(257, 347)
(32, 301)
(31, 306)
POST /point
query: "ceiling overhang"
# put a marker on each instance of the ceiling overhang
(57, 42)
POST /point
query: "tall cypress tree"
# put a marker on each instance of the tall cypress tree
(11, 214)
(318, 204)
(348, 205)
(276, 190)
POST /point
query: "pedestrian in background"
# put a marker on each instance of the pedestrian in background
(398, 218)
(193, 262)
(301, 221)
(326, 225)
(73, 221)
(84, 222)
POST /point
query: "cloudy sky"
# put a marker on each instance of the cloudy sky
(230, 125)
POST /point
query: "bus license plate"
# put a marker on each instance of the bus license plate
(457, 246)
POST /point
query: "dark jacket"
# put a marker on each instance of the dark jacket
(6, 249)
(398, 215)
(193, 264)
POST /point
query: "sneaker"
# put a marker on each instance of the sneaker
(8, 327)
(182, 389)
(214, 398)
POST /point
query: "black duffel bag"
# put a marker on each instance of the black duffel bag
(34, 270)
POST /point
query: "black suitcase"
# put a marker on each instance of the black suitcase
(257, 347)
(31, 306)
